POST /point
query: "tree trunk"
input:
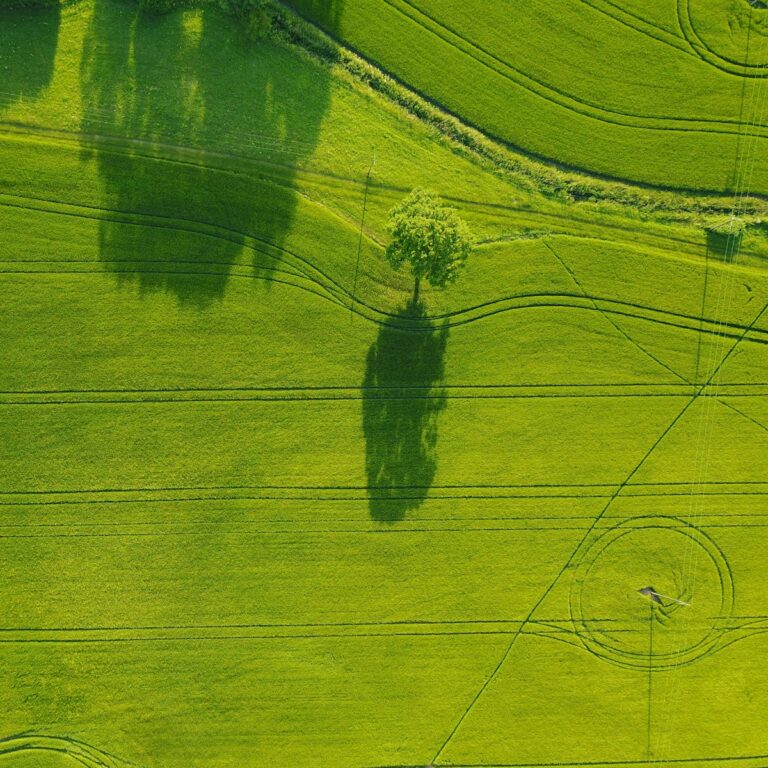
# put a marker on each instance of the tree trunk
(416, 290)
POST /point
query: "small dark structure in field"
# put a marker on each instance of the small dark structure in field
(724, 239)
(650, 592)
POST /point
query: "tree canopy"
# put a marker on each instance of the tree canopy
(430, 236)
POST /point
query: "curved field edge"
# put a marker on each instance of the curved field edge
(68, 751)
(559, 181)
(671, 162)
(520, 218)
(330, 279)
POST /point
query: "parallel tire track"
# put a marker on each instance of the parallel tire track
(558, 97)
(315, 281)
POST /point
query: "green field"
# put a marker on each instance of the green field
(260, 508)
(665, 94)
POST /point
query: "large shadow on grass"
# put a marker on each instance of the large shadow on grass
(402, 399)
(722, 245)
(197, 133)
(326, 13)
(28, 42)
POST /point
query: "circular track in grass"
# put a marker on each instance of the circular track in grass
(685, 604)
(732, 35)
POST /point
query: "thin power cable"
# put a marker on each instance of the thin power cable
(353, 294)
(733, 245)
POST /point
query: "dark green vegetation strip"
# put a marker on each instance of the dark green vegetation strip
(517, 76)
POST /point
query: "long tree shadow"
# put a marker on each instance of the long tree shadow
(198, 107)
(402, 399)
(28, 42)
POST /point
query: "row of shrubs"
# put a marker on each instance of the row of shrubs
(264, 18)
(8, 5)
(554, 181)
(255, 16)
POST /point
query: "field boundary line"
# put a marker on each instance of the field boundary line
(550, 93)
(616, 493)
(618, 328)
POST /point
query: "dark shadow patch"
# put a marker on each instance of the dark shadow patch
(723, 245)
(402, 399)
(326, 13)
(28, 42)
(200, 110)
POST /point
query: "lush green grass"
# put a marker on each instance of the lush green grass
(646, 102)
(258, 508)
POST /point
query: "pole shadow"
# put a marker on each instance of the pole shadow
(193, 105)
(28, 42)
(402, 397)
(722, 245)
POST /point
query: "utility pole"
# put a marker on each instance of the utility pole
(651, 617)
(360, 238)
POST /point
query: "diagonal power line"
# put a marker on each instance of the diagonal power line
(568, 562)
(617, 492)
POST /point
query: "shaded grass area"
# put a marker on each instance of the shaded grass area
(30, 38)
(328, 565)
(132, 87)
(519, 78)
(251, 517)
(402, 400)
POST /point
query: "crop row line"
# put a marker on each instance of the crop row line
(492, 62)
(437, 394)
(629, 235)
(641, 25)
(569, 637)
(484, 310)
(731, 623)
(388, 497)
(691, 47)
(213, 522)
(216, 531)
(399, 486)
(308, 269)
(336, 293)
(708, 54)
(265, 526)
(567, 386)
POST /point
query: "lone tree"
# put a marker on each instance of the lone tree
(430, 236)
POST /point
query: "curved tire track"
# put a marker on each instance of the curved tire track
(77, 751)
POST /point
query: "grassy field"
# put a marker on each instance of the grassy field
(660, 98)
(258, 507)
